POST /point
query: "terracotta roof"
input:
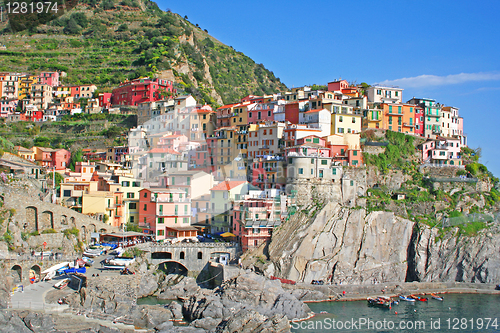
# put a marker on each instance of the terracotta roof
(227, 106)
(227, 185)
(315, 110)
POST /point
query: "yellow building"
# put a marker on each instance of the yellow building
(345, 120)
(25, 83)
(373, 119)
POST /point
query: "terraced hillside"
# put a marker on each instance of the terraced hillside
(107, 42)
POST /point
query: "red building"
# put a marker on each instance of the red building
(165, 213)
(36, 116)
(141, 90)
(419, 121)
(105, 100)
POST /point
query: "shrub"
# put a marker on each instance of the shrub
(49, 231)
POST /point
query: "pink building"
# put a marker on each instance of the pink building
(172, 141)
(49, 78)
(7, 107)
(61, 159)
(338, 85)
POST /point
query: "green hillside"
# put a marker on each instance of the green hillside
(106, 42)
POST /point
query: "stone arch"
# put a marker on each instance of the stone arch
(35, 272)
(92, 227)
(72, 222)
(17, 273)
(161, 255)
(47, 220)
(173, 267)
(102, 231)
(64, 220)
(84, 232)
(32, 218)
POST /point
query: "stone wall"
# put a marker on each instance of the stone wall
(31, 215)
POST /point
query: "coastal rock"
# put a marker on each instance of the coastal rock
(185, 288)
(40, 323)
(176, 310)
(342, 245)
(150, 316)
(448, 258)
(10, 322)
(207, 323)
(248, 320)
(247, 291)
(147, 285)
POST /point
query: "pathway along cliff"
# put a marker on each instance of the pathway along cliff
(345, 245)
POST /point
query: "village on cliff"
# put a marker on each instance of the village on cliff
(189, 170)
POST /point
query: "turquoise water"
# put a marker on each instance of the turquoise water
(457, 313)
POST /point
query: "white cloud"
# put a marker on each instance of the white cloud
(435, 80)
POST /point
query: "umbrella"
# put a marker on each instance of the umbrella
(228, 234)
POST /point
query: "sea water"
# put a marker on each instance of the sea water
(456, 313)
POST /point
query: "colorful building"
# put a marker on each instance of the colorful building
(165, 213)
(141, 90)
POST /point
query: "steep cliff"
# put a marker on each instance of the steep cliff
(344, 245)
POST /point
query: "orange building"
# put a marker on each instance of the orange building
(399, 118)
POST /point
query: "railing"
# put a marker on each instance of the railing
(167, 200)
(154, 247)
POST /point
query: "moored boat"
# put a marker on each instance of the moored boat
(73, 270)
(418, 298)
(406, 298)
(436, 297)
(379, 302)
(62, 284)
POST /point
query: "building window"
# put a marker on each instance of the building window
(182, 255)
(334, 171)
(301, 171)
(320, 173)
(145, 207)
(352, 182)
(200, 255)
(132, 205)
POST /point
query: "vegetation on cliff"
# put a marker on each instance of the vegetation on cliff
(106, 42)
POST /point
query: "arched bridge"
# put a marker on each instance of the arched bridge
(189, 257)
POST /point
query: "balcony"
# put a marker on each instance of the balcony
(408, 125)
(167, 200)
(394, 113)
(264, 147)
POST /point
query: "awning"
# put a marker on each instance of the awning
(228, 234)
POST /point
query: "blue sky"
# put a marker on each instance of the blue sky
(445, 50)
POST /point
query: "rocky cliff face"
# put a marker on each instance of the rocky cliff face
(455, 258)
(344, 245)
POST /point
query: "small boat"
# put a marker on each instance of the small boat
(88, 262)
(406, 298)
(62, 284)
(418, 298)
(379, 302)
(436, 297)
(74, 270)
(114, 267)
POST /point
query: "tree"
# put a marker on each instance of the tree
(112, 132)
(122, 27)
(59, 179)
(108, 4)
(80, 19)
(72, 28)
(75, 157)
